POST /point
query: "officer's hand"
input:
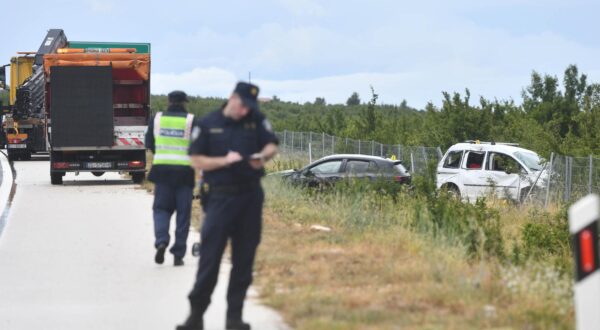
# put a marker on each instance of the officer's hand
(232, 157)
(257, 161)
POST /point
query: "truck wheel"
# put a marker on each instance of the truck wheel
(56, 178)
(97, 173)
(138, 177)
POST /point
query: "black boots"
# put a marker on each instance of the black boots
(193, 322)
(236, 324)
(178, 261)
(159, 257)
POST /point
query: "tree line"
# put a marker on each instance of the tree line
(551, 117)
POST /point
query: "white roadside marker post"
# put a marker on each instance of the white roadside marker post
(583, 225)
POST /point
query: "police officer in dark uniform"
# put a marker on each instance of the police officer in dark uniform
(169, 137)
(231, 147)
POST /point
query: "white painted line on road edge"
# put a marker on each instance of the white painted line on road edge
(5, 189)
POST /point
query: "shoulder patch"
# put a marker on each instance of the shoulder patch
(196, 132)
(267, 125)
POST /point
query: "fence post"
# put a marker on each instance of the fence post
(412, 162)
(381, 150)
(332, 144)
(400, 153)
(372, 148)
(301, 139)
(590, 178)
(309, 152)
(284, 138)
(346, 150)
(549, 175)
(359, 146)
(425, 156)
(292, 141)
(567, 194)
(323, 144)
(439, 152)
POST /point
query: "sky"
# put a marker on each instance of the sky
(302, 49)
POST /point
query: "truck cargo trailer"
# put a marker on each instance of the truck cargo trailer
(98, 106)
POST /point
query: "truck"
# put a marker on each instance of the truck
(86, 104)
(97, 103)
(24, 124)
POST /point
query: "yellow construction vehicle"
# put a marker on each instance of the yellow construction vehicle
(21, 68)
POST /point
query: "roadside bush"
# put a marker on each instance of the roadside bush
(546, 237)
(477, 227)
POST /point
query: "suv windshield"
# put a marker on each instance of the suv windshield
(530, 159)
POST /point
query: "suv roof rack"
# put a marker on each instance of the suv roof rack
(492, 143)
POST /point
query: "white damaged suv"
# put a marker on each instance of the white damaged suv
(477, 169)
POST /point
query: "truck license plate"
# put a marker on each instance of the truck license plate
(98, 165)
(17, 146)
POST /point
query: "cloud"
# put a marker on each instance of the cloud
(405, 50)
(104, 7)
(303, 7)
(204, 82)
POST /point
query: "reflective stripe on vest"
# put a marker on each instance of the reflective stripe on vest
(172, 139)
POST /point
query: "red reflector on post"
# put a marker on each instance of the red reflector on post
(586, 245)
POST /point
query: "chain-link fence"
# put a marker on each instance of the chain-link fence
(563, 179)
(307, 147)
(569, 178)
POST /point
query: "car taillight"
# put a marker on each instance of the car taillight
(136, 164)
(401, 179)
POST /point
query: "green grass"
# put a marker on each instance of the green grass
(413, 259)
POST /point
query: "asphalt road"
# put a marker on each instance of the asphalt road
(80, 256)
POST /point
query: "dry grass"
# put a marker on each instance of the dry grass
(394, 277)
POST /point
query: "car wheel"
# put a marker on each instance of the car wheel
(452, 191)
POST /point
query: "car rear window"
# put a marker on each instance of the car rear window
(475, 160)
(357, 166)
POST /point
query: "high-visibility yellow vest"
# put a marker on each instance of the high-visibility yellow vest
(172, 139)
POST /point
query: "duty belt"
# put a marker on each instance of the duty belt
(231, 188)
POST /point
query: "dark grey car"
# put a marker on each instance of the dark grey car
(328, 170)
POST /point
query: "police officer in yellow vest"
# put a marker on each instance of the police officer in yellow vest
(168, 137)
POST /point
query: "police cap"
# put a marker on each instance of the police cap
(248, 93)
(177, 97)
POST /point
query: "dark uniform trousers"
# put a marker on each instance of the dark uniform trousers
(167, 199)
(228, 215)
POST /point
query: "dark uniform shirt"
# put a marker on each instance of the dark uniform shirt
(216, 135)
(169, 174)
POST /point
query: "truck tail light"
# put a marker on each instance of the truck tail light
(60, 165)
(136, 164)
(65, 165)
